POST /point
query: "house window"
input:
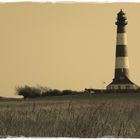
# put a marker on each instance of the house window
(127, 87)
(119, 87)
(112, 87)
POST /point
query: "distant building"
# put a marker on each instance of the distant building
(121, 79)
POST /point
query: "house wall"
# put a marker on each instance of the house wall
(122, 86)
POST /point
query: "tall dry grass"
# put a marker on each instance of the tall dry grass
(90, 117)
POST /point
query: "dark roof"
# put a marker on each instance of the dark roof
(123, 80)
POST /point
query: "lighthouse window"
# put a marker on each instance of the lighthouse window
(121, 78)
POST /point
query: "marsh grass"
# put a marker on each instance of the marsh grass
(89, 117)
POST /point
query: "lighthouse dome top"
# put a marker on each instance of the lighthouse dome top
(121, 18)
(121, 12)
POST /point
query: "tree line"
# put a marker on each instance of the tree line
(34, 92)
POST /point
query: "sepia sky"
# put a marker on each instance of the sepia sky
(63, 46)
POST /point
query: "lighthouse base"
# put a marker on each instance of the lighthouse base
(122, 84)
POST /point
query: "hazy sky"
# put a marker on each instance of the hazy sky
(63, 46)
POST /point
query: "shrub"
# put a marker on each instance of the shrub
(28, 92)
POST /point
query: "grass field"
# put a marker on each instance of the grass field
(107, 115)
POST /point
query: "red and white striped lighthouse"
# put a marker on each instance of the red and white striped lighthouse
(121, 79)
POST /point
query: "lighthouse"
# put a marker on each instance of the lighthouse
(121, 79)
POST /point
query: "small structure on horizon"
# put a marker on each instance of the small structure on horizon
(121, 79)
